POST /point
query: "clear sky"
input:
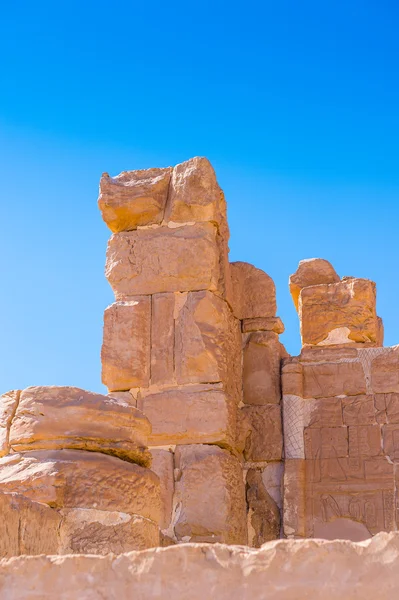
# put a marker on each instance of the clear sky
(295, 104)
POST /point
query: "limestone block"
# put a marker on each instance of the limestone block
(358, 410)
(311, 271)
(263, 324)
(365, 440)
(324, 380)
(163, 465)
(292, 377)
(8, 406)
(253, 292)
(210, 496)
(190, 415)
(195, 195)
(51, 418)
(165, 259)
(92, 531)
(265, 438)
(385, 371)
(59, 478)
(294, 510)
(134, 198)
(326, 442)
(208, 343)
(263, 512)
(261, 369)
(339, 313)
(162, 339)
(125, 352)
(27, 527)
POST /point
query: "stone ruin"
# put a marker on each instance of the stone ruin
(210, 431)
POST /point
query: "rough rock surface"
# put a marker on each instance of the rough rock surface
(280, 570)
(311, 271)
(51, 418)
(8, 406)
(134, 198)
(253, 292)
(261, 369)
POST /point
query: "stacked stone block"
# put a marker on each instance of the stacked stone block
(339, 411)
(173, 345)
(74, 474)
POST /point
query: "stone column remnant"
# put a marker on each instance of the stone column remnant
(193, 341)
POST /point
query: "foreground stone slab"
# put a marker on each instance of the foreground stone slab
(210, 495)
(134, 198)
(51, 418)
(59, 478)
(164, 259)
(311, 271)
(280, 570)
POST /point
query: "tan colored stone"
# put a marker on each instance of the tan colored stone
(263, 512)
(365, 440)
(208, 343)
(272, 477)
(210, 495)
(150, 261)
(27, 527)
(8, 406)
(190, 415)
(124, 396)
(391, 441)
(134, 198)
(292, 377)
(253, 292)
(358, 410)
(264, 439)
(261, 369)
(51, 418)
(266, 324)
(385, 371)
(311, 271)
(294, 497)
(162, 339)
(327, 353)
(59, 478)
(163, 465)
(125, 352)
(325, 380)
(280, 570)
(326, 442)
(324, 412)
(391, 403)
(92, 531)
(195, 194)
(339, 313)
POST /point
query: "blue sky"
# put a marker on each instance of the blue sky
(295, 104)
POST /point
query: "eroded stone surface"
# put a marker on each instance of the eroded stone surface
(163, 466)
(261, 369)
(264, 437)
(263, 512)
(311, 271)
(8, 406)
(51, 418)
(134, 198)
(253, 292)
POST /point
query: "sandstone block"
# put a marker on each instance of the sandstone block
(391, 441)
(8, 406)
(261, 369)
(190, 415)
(391, 404)
(328, 353)
(264, 439)
(311, 271)
(125, 352)
(27, 527)
(253, 292)
(209, 477)
(208, 343)
(325, 380)
(292, 377)
(365, 440)
(324, 412)
(326, 442)
(134, 198)
(294, 506)
(92, 531)
(163, 465)
(358, 410)
(195, 195)
(385, 372)
(162, 339)
(150, 261)
(263, 512)
(51, 418)
(272, 477)
(59, 478)
(339, 313)
(266, 324)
